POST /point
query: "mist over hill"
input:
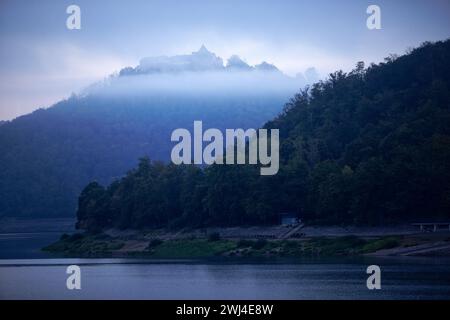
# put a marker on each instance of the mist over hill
(368, 147)
(46, 157)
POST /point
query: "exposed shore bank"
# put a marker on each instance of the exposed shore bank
(255, 242)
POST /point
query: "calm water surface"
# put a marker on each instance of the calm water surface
(25, 273)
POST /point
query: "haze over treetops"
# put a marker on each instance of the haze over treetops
(48, 156)
(368, 147)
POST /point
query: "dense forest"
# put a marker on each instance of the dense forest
(48, 156)
(368, 147)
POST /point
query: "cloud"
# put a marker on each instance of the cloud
(200, 73)
(48, 73)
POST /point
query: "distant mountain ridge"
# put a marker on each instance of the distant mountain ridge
(197, 61)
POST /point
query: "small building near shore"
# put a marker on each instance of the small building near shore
(289, 219)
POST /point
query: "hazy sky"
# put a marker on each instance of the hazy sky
(41, 61)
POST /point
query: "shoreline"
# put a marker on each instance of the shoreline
(253, 242)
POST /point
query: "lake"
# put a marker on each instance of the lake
(28, 273)
(135, 279)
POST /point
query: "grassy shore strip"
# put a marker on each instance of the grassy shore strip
(85, 245)
(101, 245)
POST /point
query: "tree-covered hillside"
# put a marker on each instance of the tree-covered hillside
(48, 156)
(368, 147)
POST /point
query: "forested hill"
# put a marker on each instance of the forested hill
(48, 156)
(368, 147)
